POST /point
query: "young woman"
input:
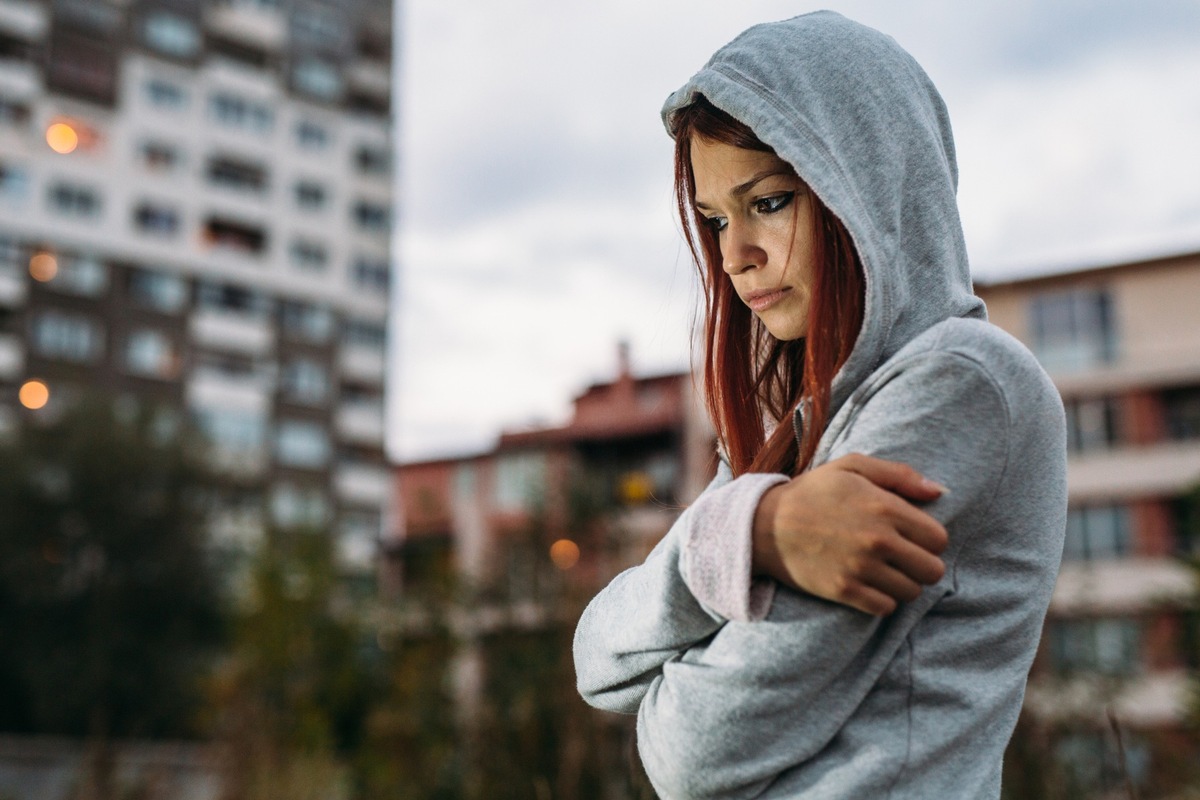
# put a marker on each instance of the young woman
(851, 608)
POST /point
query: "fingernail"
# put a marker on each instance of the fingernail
(934, 486)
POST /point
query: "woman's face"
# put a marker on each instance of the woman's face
(761, 214)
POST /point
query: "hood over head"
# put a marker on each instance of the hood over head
(864, 127)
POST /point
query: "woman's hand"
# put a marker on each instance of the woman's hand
(845, 532)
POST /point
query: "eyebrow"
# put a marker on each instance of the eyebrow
(743, 188)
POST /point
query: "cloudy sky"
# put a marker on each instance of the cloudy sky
(535, 219)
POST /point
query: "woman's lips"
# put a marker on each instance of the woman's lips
(761, 301)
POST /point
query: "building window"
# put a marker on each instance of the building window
(151, 353)
(232, 173)
(235, 237)
(82, 275)
(1097, 533)
(157, 291)
(317, 79)
(239, 112)
(308, 322)
(305, 381)
(318, 28)
(166, 95)
(295, 506)
(302, 444)
(156, 220)
(235, 299)
(360, 333)
(159, 157)
(1091, 424)
(171, 34)
(373, 160)
(309, 255)
(520, 481)
(371, 274)
(1073, 329)
(14, 183)
(70, 337)
(372, 217)
(73, 200)
(311, 136)
(233, 431)
(1105, 646)
(310, 195)
(1182, 410)
(358, 536)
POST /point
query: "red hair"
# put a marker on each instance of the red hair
(748, 372)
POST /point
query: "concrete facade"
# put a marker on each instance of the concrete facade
(195, 216)
(1122, 344)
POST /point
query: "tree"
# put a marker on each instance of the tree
(109, 605)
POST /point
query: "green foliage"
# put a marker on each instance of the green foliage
(109, 607)
(300, 679)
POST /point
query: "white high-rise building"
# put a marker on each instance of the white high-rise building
(195, 215)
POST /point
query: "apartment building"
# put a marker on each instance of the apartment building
(1122, 344)
(195, 216)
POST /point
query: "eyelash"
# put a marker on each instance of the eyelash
(764, 205)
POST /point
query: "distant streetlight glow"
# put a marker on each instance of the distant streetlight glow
(564, 553)
(34, 394)
(43, 267)
(62, 138)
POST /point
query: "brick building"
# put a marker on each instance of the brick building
(635, 451)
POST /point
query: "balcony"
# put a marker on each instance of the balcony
(360, 423)
(1164, 469)
(12, 357)
(24, 19)
(19, 80)
(229, 330)
(1151, 700)
(371, 77)
(362, 484)
(236, 528)
(13, 288)
(1121, 586)
(249, 24)
(212, 388)
(364, 364)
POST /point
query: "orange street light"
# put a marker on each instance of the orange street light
(62, 138)
(564, 553)
(34, 394)
(43, 267)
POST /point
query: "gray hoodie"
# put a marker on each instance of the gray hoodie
(747, 689)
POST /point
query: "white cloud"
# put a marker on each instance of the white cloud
(537, 226)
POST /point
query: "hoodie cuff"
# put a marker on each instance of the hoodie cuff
(718, 553)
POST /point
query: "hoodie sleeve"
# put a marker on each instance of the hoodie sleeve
(733, 713)
(650, 614)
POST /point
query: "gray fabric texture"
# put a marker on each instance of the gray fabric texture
(742, 693)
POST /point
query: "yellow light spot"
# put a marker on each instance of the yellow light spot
(636, 487)
(34, 394)
(43, 267)
(564, 553)
(62, 138)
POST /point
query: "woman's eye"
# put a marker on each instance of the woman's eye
(716, 223)
(776, 202)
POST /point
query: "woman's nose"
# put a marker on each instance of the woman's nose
(739, 250)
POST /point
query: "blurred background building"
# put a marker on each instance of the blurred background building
(1122, 344)
(195, 217)
(636, 451)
